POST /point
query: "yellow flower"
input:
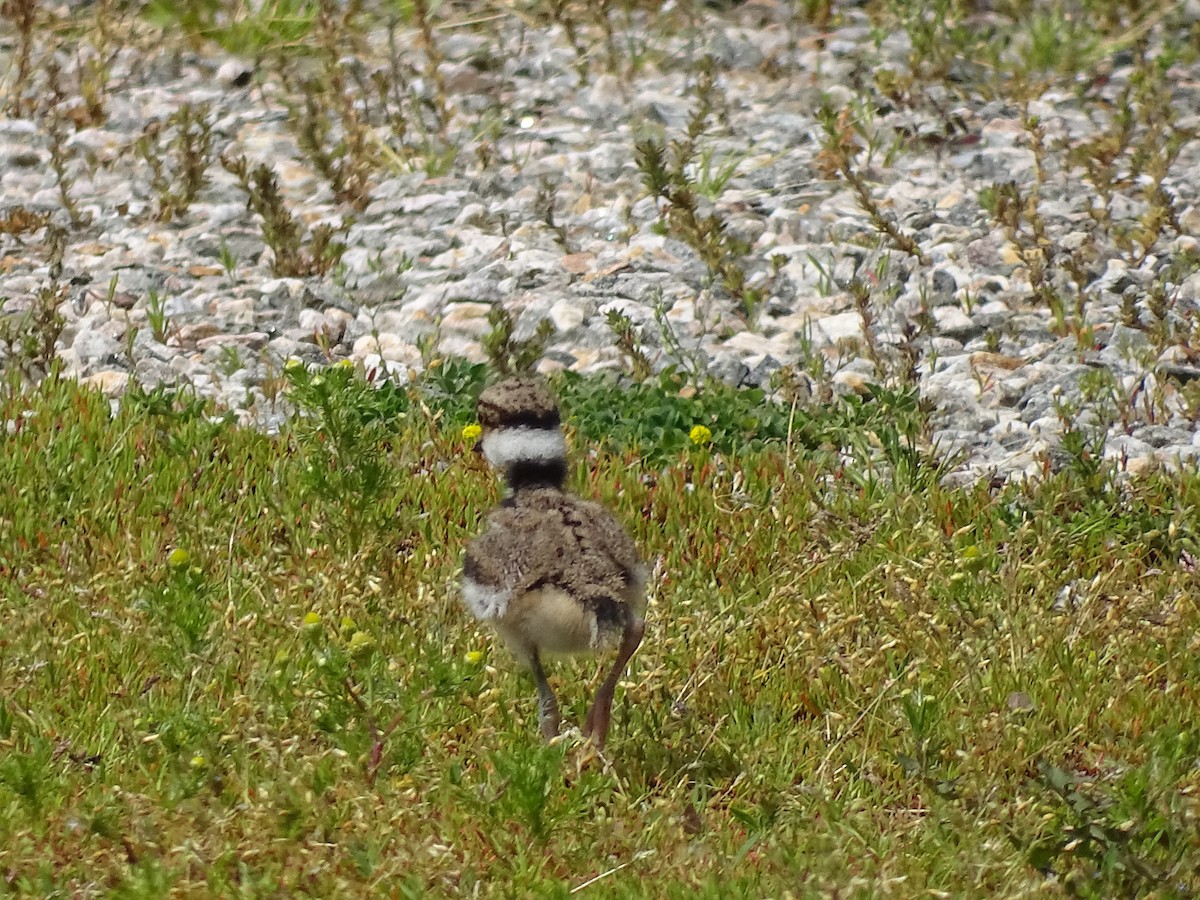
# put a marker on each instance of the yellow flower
(344, 364)
(972, 557)
(347, 624)
(293, 363)
(700, 434)
(360, 642)
(312, 621)
(471, 432)
(198, 762)
(178, 558)
(474, 656)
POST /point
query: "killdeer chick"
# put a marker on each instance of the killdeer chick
(553, 574)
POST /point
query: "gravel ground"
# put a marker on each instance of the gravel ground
(430, 256)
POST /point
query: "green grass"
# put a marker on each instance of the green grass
(236, 665)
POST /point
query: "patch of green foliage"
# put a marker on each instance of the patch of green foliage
(451, 388)
(655, 418)
(274, 25)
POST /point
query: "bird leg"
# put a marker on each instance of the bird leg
(548, 715)
(600, 715)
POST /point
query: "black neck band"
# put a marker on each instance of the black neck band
(540, 473)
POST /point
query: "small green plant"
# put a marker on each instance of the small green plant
(179, 153)
(1140, 146)
(282, 231)
(1094, 852)
(810, 379)
(691, 361)
(23, 16)
(31, 336)
(156, 315)
(860, 292)
(668, 173)
(450, 389)
(560, 13)
(94, 60)
(544, 203)
(529, 791)
(61, 164)
(230, 362)
(1101, 395)
(183, 603)
(922, 714)
(940, 37)
(629, 343)
(26, 776)
(347, 159)
(329, 115)
(825, 281)
(1081, 443)
(713, 175)
(344, 435)
(1056, 42)
(1020, 214)
(418, 122)
(229, 262)
(422, 13)
(508, 354)
(839, 155)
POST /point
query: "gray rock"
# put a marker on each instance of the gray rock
(943, 283)
(952, 322)
(94, 349)
(1159, 436)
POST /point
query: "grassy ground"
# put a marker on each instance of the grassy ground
(236, 664)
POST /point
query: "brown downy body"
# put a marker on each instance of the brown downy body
(565, 575)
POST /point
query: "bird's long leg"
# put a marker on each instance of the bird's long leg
(548, 715)
(600, 715)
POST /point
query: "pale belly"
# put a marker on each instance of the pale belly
(547, 621)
